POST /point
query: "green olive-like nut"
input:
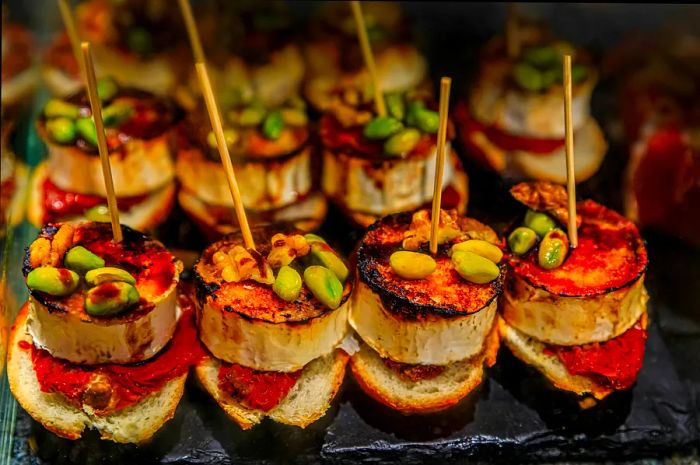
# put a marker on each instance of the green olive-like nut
(541, 56)
(414, 107)
(479, 247)
(294, 117)
(527, 77)
(230, 135)
(86, 129)
(402, 142)
(412, 265)
(382, 127)
(309, 237)
(53, 281)
(55, 108)
(62, 130)
(427, 121)
(553, 249)
(107, 88)
(287, 284)
(272, 125)
(110, 298)
(98, 213)
(251, 116)
(139, 41)
(475, 268)
(539, 222)
(521, 240)
(108, 274)
(552, 76)
(579, 73)
(116, 114)
(395, 105)
(324, 285)
(81, 260)
(322, 254)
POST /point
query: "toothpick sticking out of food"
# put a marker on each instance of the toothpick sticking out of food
(192, 31)
(91, 84)
(445, 84)
(570, 174)
(214, 116)
(369, 58)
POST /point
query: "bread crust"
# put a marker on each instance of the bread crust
(73, 421)
(470, 370)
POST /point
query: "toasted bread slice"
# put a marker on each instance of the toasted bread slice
(134, 424)
(429, 395)
(307, 401)
(532, 352)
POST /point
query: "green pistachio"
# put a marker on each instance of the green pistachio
(314, 238)
(251, 116)
(108, 274)
(412, 265)
(272, 125)
(402, 142)
(427, 120)
(475, 268)
(287, 284)
(579, 73)
(110, 298)
(479, 247)
(98, 213)
(382, 127)
(58, 282)
(61, 130)
(81, 260)
(140, 41)
(86, 130)
(116, 114)
(55, 108)
(107, 88)
(528, 77)
(395, 105)
(553, 249)
(542, 56)
(521, 240)
(414, 107)
(539, 222)
(324, 285)
(230, 135)
(322, 254)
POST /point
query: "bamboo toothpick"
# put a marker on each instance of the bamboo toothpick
(192, 31)
(445, 84)
(72, 32)
(570, 173)
(91, 84)
(512, 33)
(369, 58)
(212, 108)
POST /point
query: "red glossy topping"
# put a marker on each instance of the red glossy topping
(614, 363)
(60, 55)
(260, 390)
(335, 136)
(59, 204)
(610, 255)
(129, 383)
(507, 142)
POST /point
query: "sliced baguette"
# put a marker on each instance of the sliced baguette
(425, 396)
(532, 352)
(134, 424)
(306, 402)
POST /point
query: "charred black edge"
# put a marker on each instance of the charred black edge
(512, 273)
(395, 304)
(205, 289)
(80, 98)
(48, 231)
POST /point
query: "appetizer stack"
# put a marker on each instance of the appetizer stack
(512, 122)
(101, 342)
(334, 60)
(376, 165)
(69, 184)
(578, 315)
(272, 320)
(427, 323)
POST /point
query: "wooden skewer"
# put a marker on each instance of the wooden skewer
(570, 173)
(91, 84)
(445, 84)
(72, 31)
(512, 33)
(192, 31)
(369, 58)
(212, 108)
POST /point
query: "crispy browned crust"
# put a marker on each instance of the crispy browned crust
(414, 299)
(252, 300)
(375, 390)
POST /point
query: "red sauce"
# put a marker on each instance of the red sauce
(129, 383)
(614, 363)
(60, 55)
(500, 138)
(260, 390)
(610, 255)
(336, 137)
(59, 204)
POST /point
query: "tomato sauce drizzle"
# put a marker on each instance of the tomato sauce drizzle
(129, 383)
(614, 363)
(260, 390)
